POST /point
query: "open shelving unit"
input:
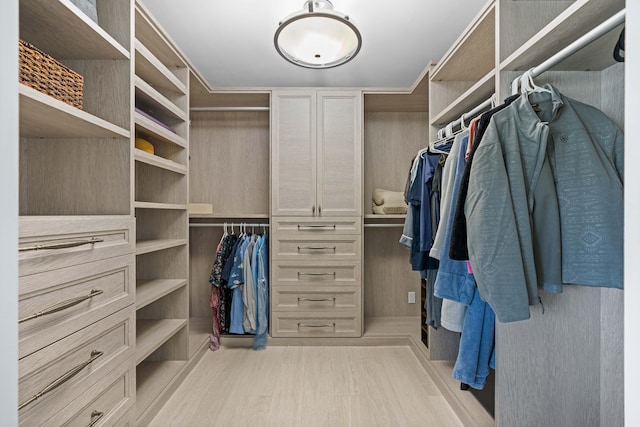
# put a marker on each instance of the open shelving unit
(234, 127)
(161, 117)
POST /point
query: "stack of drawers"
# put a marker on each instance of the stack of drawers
(77, 320)
(316, 285)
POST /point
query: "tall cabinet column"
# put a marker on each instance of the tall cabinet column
(316, 209)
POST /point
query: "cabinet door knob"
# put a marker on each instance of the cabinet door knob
(313, 210)
(319, 210)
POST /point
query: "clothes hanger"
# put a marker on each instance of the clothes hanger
(444, 138)
(528, 86)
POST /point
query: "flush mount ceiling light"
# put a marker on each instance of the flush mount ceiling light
(317, 36)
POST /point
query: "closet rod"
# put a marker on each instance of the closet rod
(229, 109)
(228, 224)
(488, 103)
(383, 225)
(583, 41)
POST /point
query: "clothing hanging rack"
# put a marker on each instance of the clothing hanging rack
(446, 132)
(228, 224)
(591, 36)
(195, 109)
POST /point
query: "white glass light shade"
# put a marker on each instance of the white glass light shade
(317, 37)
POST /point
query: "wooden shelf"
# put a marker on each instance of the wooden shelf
(150, 127)
(152, 378)
(573, 22)
(159, 206)
(63, 31)
(151, 35)
(150, 96)
(147, 246)
(155, 72)
(151, 334)
(473, 54)
(148, 291)
(384, 219)
(471, 98)
(159, 162)
(42, 116)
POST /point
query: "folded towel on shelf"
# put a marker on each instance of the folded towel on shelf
(388, 202)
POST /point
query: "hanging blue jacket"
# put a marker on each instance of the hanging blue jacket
(518, 237)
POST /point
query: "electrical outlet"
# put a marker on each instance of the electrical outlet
(411, 297)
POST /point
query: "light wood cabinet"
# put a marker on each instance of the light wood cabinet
(316, 153)
(316, 208)
(77, 235)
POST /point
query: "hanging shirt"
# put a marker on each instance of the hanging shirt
(262, 285)
(249, 294)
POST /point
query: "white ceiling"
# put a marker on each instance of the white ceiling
(230, 43)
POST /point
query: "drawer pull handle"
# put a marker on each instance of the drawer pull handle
(62, 305)
(95, 417)
(61, 245)
(317, 248)
(302, 273)
(316, 299)
(62, 379)
(316, 227)
(313, 325)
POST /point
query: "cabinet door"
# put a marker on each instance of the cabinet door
(293, 153)
(339, 153)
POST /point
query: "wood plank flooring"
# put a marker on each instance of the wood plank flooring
(308, 386)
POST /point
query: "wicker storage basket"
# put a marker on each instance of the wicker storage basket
(43, 73)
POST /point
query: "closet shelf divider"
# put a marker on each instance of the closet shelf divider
(148, 291)
(469, 99)
(154, 71)
(152, 333)
(42, 116)
(153, 205)
(157, 131)
(561, 31)
(159, 162)
(150, 95)
(148, 246)
(65, 32)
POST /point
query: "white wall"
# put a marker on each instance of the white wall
(632, 210)
(9, 213)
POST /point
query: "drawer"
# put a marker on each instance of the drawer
(311, 273)
(74, 297)
(316, 226)
(330, 298)
(109, 402)
(316, 325)
(50, 243)
(345, 247)
(76, 363)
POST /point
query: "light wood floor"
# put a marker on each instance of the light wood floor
(308, 386)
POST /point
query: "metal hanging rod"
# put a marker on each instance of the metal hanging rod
(583, 41)
(228, 224)
(484, 105)
(229, 109)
